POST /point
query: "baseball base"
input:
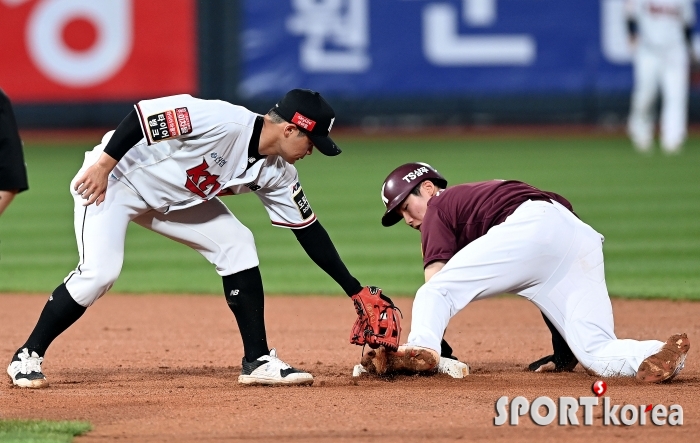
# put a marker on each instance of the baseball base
(453, 368)
(358, 370)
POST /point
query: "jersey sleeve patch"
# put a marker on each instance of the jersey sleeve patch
(302, 203)
(169, 124)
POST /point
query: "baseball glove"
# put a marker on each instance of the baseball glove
(377, 321)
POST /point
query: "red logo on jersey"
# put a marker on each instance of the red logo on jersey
(199, 180)
(304, 122)
(183, 120)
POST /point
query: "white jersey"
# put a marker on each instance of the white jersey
(278, 188)
(661, 23)
(195, 149)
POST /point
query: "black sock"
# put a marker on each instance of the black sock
(446, 350)
(561, 350)
(59, 313)
(245, 296)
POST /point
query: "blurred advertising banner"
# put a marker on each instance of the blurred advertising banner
(97, 50)
(393, 48)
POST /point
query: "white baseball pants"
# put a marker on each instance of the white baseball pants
(544, 253)
(209, 228)
(667, 71)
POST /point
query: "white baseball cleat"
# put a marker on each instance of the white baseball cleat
(25, 370)
(270, 370)
(453, 368)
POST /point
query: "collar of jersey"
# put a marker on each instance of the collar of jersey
(254, 143)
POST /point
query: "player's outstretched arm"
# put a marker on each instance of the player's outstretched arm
(378, 321)
(318, 245)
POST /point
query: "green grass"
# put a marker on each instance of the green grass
(648, 208)
(41, 431)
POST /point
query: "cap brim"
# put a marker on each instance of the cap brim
(324, 144)
(390, 218)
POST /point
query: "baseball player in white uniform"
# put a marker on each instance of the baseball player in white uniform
(164, 168)
(660, 34)
(487, 238)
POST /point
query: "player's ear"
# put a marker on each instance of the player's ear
(289, 130)
(428, 187)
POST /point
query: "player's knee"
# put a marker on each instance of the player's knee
(85, 293)
(87, 285)
(244, 236)
(426, 291)
(432, 293)
(240, 253)
(107, 277)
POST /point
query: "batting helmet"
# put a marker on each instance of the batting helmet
(399, 184)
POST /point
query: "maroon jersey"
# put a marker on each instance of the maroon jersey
(461, 214)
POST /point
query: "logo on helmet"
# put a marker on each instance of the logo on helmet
(415, 174)
(384, 199)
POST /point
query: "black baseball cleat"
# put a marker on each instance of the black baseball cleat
(270, 370)
(25, 370)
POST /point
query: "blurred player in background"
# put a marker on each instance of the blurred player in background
(13, 171)
(660, 36)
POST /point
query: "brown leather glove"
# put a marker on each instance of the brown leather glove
(377, 321)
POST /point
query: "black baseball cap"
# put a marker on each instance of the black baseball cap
(312, 115)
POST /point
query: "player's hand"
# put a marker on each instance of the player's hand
(92, 185)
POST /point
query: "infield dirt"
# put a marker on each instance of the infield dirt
(164, 368)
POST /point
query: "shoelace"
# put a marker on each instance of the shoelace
(29, 364)
(280, 363)
(273, 357)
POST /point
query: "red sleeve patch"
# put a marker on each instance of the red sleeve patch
(183, 120)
